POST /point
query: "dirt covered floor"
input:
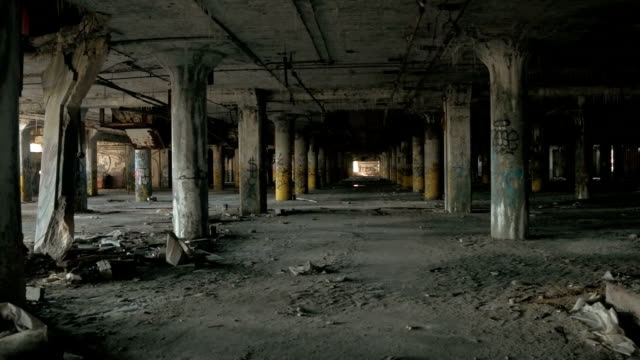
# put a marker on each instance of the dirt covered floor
(402, 280)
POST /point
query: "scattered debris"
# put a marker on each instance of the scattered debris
(633, 236)
(152, 198)
(280, 212)
(34, 293)
(177, 250)
(307, 269)
(27, 338)
(623, 301)
(303, 199)
(604, 325)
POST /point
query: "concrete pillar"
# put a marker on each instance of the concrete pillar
(312, 165)
(66, 81)
(322, 167)
(536, 164)
(80, 201)
(418, 164)
(165, 169)
(218, 167)
(91, 155)
(506, 62)
(283, 159)
(300, 161)
(188, 69)
(407, 176)
(393, 165)
(581, 160)
(458, 149)
(236, 168)
(26, 171)
(143, 174)
(329, 173)
(432, 159)
(12, 251)
(253, 166)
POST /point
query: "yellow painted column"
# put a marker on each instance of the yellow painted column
(282, 164)
(432, 155)
(312, 169)
(418, 164)
(218, 168)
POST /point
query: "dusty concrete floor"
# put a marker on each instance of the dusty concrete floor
(421, 284)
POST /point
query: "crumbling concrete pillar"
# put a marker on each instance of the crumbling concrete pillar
(458, 149)
(312, 165)
(581, 160)
(143, 174)
(300, 162)
(26, 171)
(432, 158)
(91, 155)
(322, 167)
(218, 167)
(188, 69)
(66, 81)
(283, 158)
(418, 164)
(253, 167)
(537, 163)
(12, 283)
(506, 62)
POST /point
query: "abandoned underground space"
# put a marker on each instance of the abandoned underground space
(319, 179)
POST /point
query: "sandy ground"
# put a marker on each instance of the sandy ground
(406, 281)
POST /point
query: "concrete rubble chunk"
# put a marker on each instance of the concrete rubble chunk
(623, 300)
(34, 293)
(177, 250)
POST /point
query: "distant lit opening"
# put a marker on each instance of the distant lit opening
(366, 168)
(612, 160)
(35, 148)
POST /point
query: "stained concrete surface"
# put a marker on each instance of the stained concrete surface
(420, 284)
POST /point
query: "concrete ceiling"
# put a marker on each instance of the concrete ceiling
(357, 54)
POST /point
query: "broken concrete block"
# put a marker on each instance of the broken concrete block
(34, 293)
(280, 212)
(177, 250)
(623, 300)
(104, 267)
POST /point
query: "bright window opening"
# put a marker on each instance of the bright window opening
(366, 168)
(35, 148)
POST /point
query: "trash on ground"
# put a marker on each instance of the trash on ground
(307, 269)
(604, 325)
(25, 338)
(34, 293)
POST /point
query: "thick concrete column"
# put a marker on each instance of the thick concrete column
(322, 167)
(253, 166)
(418, 164)
(312, 165)
(458, 149)
(143, 174)
(188, 69)
(393, 165)
(300, 161)
(91, 155)
(329, 173)
(537, 163)
(432, 159)
(581, 159)
(506, 62)
(218, 167)
(12, 250)
(26, 171)
(66, 81)
(284, 189)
